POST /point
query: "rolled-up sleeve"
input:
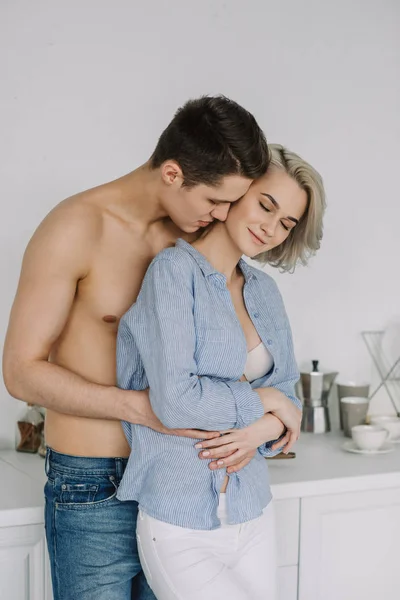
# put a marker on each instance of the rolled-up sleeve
(164, 335)
(285, 383)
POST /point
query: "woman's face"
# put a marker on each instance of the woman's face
(264, 217)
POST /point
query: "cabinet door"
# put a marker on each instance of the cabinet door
(22, 552)
(287, 531)
(349, 546)
(287, 583)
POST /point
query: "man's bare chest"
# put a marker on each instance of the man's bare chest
(115, 278)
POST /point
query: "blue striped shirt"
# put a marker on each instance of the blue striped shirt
(182, 338)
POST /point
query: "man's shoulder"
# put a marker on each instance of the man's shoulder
(67, 237)
(77, 212)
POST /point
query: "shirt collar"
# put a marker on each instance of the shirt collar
(207, 267)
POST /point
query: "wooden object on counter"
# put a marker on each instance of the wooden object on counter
(282, 456)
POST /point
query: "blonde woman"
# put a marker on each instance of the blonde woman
(210, 336)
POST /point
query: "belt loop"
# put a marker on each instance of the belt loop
(118, 469)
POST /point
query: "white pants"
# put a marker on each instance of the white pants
(235, 562)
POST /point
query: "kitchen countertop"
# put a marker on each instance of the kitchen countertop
(21, 498)
(320, 467)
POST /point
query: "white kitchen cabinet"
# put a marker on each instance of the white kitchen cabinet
(287, 517)
(337, 518)
(287, 583)
(22, 563)
(287, 513)
(349, 546)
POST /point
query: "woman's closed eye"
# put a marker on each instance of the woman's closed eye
(269, 210)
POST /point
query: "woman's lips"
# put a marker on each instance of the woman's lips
(256, 239)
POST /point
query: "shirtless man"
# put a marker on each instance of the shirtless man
(81, 271)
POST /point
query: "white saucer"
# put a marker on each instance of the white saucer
(350, 446)
(395, 441)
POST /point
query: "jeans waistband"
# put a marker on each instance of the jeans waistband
(67, 463)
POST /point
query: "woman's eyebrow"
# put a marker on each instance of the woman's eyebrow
(276, 204)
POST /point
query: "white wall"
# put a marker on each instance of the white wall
(87, 86)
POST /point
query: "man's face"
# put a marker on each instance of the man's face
(196, 207)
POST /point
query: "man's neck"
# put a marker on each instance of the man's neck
(136, 197)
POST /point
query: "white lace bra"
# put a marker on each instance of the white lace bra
(259, 362)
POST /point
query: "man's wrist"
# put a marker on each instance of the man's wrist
(129, 406)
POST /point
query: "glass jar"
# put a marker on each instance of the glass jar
(29, 430)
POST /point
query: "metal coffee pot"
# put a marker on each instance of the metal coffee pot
(314, 388)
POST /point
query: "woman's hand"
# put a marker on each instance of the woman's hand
(235, 448)
(278, 404)
(290, 416)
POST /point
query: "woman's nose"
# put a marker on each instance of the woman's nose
(269, 228)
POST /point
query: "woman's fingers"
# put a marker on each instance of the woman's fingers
(234, 459)
(221, 440)
(220, 452)
(240, 465)
(293, 439)
(281, 443)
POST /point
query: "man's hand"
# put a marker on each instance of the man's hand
(235, 448)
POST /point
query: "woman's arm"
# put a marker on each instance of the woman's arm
(162, 327)
(283, 409)
(239, 445)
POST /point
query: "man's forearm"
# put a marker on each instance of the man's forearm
(55, 388)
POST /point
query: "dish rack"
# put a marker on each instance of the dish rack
(388, 369)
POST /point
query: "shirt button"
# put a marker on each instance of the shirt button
(269, 342)
(256, 315)
(276, 370)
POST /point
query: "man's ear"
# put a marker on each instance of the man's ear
(171, 173)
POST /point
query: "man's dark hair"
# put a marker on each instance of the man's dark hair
(212, 137)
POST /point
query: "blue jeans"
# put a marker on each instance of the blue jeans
(91, 536)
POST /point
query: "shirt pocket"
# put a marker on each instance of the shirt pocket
(218, 353)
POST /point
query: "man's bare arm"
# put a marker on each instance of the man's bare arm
(57, 257)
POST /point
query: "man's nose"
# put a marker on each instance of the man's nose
(220, 212)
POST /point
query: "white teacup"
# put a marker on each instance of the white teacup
(369, 437)
(388, 422)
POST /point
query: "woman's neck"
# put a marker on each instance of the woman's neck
(220, 250)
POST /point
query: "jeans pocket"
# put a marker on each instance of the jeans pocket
(80, 493)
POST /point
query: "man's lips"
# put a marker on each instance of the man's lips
(257, 240)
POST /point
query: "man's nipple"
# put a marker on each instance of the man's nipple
(110, 319)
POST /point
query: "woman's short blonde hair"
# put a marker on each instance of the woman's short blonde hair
(305, 239)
